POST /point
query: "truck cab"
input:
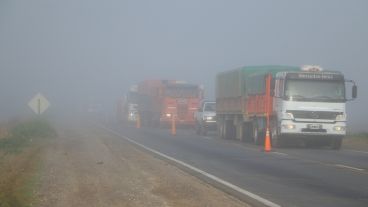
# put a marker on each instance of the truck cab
(310, 104)
(205, 117)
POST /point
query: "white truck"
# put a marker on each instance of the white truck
(205, 117)
(296, 104)
(128, 106)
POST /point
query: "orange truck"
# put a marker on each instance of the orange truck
(162, 100)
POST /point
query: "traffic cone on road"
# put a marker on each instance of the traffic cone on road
(267, 146)
(173, 125)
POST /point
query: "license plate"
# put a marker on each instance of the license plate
(314, 126)
(182, 101)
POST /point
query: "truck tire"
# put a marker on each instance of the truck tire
(220, 129)
(229, 130)
(257, 136)
(254, 132)
(336, 143)
(248, 132)
(276, 140)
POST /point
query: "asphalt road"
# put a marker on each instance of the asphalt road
(288, 177)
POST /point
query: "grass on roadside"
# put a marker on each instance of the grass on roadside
(24, 133)
(20, 161)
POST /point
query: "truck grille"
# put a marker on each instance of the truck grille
(314, 114)
(182, 110)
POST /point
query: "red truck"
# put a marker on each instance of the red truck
(160, 100)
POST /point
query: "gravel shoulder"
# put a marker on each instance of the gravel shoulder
(87, 166)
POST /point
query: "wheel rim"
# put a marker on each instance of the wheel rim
(255, 135)
(274, 136)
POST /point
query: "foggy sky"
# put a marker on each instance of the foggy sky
(80, 51)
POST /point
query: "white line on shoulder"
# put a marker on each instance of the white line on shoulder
(349, 167)
(365, 152)
(279, 153)
(208, 175)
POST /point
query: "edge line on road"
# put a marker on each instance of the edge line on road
(279, 153)
(349, 167)
(257, 200)
(358, 151)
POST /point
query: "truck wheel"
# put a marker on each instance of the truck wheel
(257, 135)
(276, 140)
(336, 143)
(248, 132)
(229, 130)
(220, 130)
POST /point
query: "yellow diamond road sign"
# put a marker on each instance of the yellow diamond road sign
(39, 104)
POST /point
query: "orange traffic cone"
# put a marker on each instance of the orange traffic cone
(173, 125)
(267, 147)
(138, 124)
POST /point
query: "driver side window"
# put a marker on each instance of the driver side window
(201, 108)
(280, 88)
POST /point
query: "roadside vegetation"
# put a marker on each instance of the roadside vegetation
(357, 141)
(20, 148)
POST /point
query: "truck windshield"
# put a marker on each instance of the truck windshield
(132, 97)
(210, 107)
(313, 90)
(182, 92)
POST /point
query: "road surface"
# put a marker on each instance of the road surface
(288, 177)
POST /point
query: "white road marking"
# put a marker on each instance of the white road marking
(365, 152)
(348, 167)
(209, 138)
(280, 153)
(208, 175)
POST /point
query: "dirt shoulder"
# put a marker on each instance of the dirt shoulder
(87, 166)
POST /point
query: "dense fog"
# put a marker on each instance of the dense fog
(83, 52)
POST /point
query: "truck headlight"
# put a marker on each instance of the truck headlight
(208, 118)
(288, 126)
(339, 128)
(168, 115)
(341, 117)
(288, 115)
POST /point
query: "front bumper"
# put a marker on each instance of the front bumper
(290, 127)
(132, 118)
(183, 122)
(212, 125)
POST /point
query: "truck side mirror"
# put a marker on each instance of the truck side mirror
(354, 91)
